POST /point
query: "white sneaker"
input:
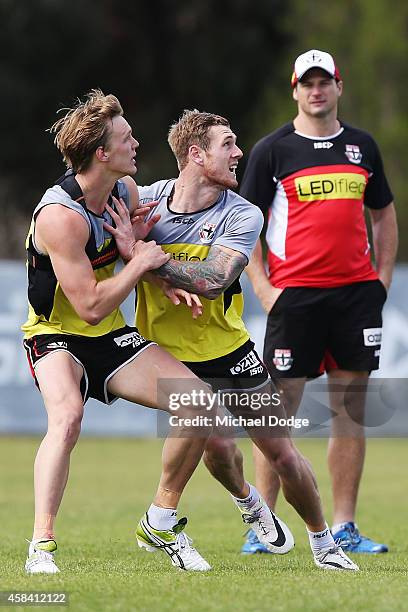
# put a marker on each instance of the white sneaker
(270, 530)
(40, 558)
(334, 558)
(173, 542)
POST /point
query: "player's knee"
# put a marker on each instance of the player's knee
(287, 462)
(66, 428)
(198, 401)
(220, 451)
(67, 432)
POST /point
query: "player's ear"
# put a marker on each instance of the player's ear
(101, 154)
(339, 87)
(195, 153)
(295, 93)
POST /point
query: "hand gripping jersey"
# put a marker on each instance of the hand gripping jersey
(231, 222)
(314, 191)
(50, 312)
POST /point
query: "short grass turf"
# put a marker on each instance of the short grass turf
(111, 484)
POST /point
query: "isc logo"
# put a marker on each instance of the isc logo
(323, 145)
(183, 220)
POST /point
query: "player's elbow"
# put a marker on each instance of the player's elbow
(91, 317)
(219, 286)
(90, 313)
(211, 293)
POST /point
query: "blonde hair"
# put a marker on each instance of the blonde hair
(192, 129)
(84, 128)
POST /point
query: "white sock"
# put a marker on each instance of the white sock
(249, 501)
(162, 518)
(320, 539)
(338, 526)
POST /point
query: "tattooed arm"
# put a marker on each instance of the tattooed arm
(208, 278)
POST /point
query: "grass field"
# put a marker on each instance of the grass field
(112, 482)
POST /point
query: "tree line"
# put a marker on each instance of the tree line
(231, 57)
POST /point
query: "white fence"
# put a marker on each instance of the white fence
(21, 408)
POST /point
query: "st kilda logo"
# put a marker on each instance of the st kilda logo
(353, 154)
(207, 231)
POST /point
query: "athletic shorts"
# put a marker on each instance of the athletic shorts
(240, 370)
(100, 357)
(309, 328)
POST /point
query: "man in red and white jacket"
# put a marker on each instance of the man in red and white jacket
(312, 178)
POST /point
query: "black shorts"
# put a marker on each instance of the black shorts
(240, 370)
(308, 327)
(100, 357)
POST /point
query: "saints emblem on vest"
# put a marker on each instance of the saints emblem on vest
(207, 231)
(353, 154)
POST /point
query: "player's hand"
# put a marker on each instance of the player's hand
(269, 298)
(142, 228)
(177, 296)
(128, 230)
(150, 255)
(123, 232)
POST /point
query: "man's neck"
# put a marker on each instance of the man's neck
(193, 193)
(96, 188)
(316, 126)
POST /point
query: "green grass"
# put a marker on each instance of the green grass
(112, 483)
